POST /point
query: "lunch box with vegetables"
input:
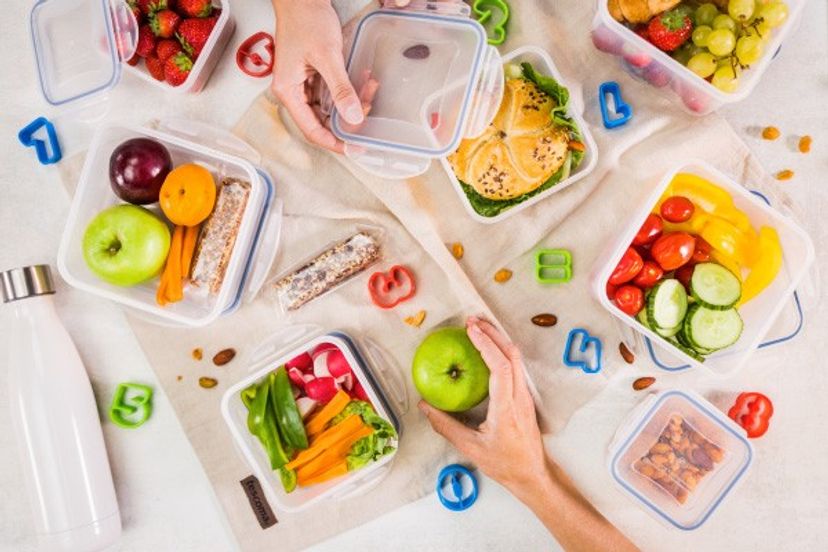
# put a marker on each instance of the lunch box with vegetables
(678, 456)
(376, 380)
(705, 324)
(438, 83)
(698, 96)
(225, 156)
(81, 48)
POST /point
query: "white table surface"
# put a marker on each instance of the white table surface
(166, 502)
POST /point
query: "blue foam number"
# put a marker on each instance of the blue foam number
(455, 473)
(622, 111)
(582, 351)
(48, 149)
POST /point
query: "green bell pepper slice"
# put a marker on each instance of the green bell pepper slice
(287, 413)
(261, 422)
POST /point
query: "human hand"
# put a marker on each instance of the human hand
(309, 46)
(507, 446)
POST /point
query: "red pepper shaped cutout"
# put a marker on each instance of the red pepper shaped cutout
(753, 412)
(389, 289)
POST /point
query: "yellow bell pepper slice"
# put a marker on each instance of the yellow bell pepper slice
(727, 262)
(730, 241)
(708, 197)
(766, 267)
(693, 226)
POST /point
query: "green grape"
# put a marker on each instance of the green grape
(700, 34)
(685, 52)
(741, 10)
(721, 42)
(726, 79)
(773, 13)
(703, 64)
(749, 49)
(706, 13)
(759, 29)
(724, 21)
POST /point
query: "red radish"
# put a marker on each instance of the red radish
(359, 392)
(337, 364)
(303, 362)
(306, 405)
(295, 375)
(321, 389)
(296, 391)
(321, 348)
(346, 381)
(320, 366)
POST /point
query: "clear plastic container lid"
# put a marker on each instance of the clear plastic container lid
(79, 45)
(439, 82)
(679, 456)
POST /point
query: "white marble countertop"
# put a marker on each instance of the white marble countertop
(166, 502)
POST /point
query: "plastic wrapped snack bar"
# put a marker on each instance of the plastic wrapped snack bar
(327, 270)
(215, 244)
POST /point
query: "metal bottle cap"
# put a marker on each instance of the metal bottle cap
(28, 281)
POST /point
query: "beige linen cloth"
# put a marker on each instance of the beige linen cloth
(325, 196)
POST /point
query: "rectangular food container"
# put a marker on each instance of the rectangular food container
(757, 314)
(694, 93)
(253, 251)
(81, 47)
(373, 370)
(678, 483)
(541, 61)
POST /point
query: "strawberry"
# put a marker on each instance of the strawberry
(133, 60)
(149, 7)
(155, 67)
(195, 8)
(193, 34)
(177, 68)
(164, 23)
(670, 30)
(642, 31)
(167, 47)
(136, 11)
(146, 41)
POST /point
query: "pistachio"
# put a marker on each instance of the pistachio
(415, 320)
(770, 133)
(207, 383)
(787, 174)
(198, 353)
(224, 356)
(503, 275)
(805, 144)
(457, 250)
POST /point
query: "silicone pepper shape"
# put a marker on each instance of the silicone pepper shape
(261, 422)
(389, 289)
(284, 406)
(753, 412)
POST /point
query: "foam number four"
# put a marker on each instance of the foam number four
(493, 15)
(582, 351)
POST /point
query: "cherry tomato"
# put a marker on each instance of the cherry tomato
(671, 251)
(702, 252)
(684, 274)
(628, 267)
(650, 274)
(629, 299)
(611, 291)
(677, 209)
(649, 231)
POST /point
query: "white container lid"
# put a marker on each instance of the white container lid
(79, 45)
(439, 81)
(643, 429)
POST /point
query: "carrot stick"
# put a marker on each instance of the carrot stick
(319, 420)
(188, 249)
(161, 294)
(328, 438)
(333, 454)
(174, 289)
(340, 468)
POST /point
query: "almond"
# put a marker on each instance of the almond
(626, 354)
(544, 320)
(224, 356)
(643, 383)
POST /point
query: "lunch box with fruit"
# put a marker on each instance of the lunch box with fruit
(679, 456)
(698, 96)
(82, 46)
(438, 83)
(251, 250)
(721, 311)
(369, 374)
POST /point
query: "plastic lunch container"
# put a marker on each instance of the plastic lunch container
(447, 85)
(81, 47)
(256, 242)
(373, 368)
(758, 314)
(632, 461)
(697, 95)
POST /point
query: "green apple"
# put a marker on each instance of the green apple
(449, 372)
(126, 245)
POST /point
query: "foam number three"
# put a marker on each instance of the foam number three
(486, 11)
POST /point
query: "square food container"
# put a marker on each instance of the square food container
(680, 457)
(759, 313)
(253, 251)
(81, 47)
(541, 61)
(374, 370)
(695, 94)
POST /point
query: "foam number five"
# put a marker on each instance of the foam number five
(485, 12)
(131, 405)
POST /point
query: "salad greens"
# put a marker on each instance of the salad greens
(491, 207)
(374, 446)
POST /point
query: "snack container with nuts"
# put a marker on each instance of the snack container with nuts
(679, 457)
(255, 230)
(374, 369)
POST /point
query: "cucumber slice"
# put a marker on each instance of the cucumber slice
(715, 287)
(686, 342)
(668, 332)
(667, 304)
(688, 351)
(642, 318)
(711, 329)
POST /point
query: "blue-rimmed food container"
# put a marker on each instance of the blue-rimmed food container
(679, 457)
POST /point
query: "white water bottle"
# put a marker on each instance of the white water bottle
(56, 422)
